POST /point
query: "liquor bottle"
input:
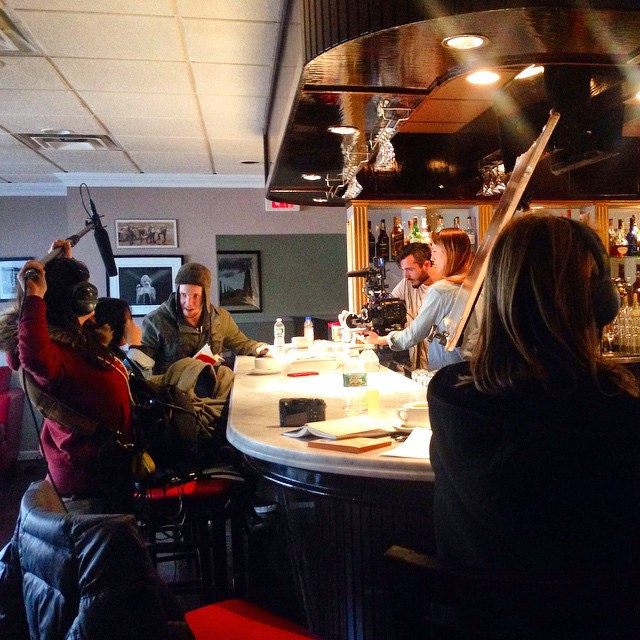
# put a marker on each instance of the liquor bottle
(611, 233)
(635, 287)
(278, 335)
(372, 241)
(425, 231)
(407, 235)
(397, 237)
(440, 225)
(470, 231)
(415, 236)
(456, 222)
(621, 236)
(383, 244)
(622, 285)
(632, 238)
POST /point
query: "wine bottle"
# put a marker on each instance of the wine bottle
(632, 239)
(383, 248)
(611, 233)
(440, 225)
(372, 241)
(397, 237)
(456, 222)
(470, 231)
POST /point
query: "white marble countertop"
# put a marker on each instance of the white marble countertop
(254, 429)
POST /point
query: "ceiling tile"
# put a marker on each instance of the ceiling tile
(90, 161)
(18, 123)
(7, 141)
(232, 79)
(251, 148)
(173, 162)
(43, 167)
(230, 42)
(30, 73)
(88, 35)
(251, 10)
(144, 7)
(232, 108)
(230, 164)
(153, 105)
(157, 144)
(179, 127)
(20, 101)
(135, 76)
(22, 155)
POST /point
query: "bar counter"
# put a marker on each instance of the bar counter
(341, 511)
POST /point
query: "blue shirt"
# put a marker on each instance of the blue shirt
(436, 306)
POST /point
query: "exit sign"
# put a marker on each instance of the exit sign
(270, 205)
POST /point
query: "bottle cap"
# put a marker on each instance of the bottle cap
(278, 319)
(308, 318)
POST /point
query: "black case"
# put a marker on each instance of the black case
(294, 412)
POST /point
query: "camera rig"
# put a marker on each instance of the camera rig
(382, 312)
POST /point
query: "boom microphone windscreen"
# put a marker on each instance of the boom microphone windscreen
(104, 244)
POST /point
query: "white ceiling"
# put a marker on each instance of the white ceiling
(181, 86)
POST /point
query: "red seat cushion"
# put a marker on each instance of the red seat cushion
(241, 620)
(201, 488)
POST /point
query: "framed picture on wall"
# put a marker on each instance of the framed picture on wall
(9, 269)
(144, 282)
(146, 234)
(240, 281)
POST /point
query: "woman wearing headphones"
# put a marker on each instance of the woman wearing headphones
(536, 440)
(451, 257)
(52, 338)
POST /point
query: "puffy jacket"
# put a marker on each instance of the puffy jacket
(81, 577)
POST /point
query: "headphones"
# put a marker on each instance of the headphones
(83, 298)
(605, 298)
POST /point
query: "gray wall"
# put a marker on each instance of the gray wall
(300, 250)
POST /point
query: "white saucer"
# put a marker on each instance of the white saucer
(264, 372)
(406, 428)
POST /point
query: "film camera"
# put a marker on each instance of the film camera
(382, 313)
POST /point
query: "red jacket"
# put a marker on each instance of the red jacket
(99, 394)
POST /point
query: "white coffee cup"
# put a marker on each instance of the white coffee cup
(266, 364)
(414, 414)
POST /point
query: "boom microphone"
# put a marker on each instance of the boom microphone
(103, 242)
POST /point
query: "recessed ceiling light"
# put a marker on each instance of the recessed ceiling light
(440, 186)
(483, 76)
(311, 176)
(530, 71)
(465, 41)
(319, 199)
(342, 130)
(56, 132)
(249, 162)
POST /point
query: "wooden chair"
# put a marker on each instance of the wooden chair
(90, 576)
(430, 601)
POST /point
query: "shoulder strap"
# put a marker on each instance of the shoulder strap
(54, 409)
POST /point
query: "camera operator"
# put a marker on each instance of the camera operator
(451, 254)
(414, 259)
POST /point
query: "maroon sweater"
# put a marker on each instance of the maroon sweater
(99, 394)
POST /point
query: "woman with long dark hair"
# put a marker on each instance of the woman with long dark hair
(52, 337)
(536, 445)
(451, 258)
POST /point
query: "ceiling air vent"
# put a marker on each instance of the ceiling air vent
(13, 39)
(66, 142)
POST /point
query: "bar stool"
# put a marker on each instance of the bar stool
(188, 521)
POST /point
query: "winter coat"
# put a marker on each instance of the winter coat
(81, 577)
(166, 337)
(50, 357)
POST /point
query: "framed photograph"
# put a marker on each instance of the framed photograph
(144, 282)
(240, 281)
(9, 269)
(146, 234)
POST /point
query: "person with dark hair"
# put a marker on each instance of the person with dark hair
(451, 257)
(418, 274)
(536, 445)
(51, 337)
(116, 313)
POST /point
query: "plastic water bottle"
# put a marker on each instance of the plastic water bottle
(354, 380)
(308, 330)
(278, 335)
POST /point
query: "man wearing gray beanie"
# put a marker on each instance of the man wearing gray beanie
(188, 321)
